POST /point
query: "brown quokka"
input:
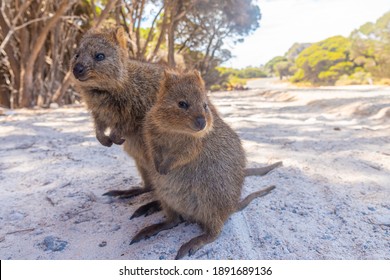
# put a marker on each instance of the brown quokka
(199, 161)
(118, 91)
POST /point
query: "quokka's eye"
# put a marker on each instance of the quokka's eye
(100, 57)
(77, 55)
(184, 105)
(206, 107)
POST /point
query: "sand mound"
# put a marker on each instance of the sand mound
(279, 96)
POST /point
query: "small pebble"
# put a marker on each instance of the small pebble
(103, 244)
(116, 227)
(52, 243)
(16, 216)
(326, 237)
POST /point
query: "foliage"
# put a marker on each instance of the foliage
(362, 58)
(284, 69)
(295, 50)
(270, 65)
(36, 38)
(371, 47)
(251, 72)
(324, 62)
(231, 78)
(210, 24)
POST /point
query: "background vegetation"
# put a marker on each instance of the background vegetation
(38, 38)
(362, 58)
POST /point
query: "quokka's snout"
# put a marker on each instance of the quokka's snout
(79, 71)
(200, 123)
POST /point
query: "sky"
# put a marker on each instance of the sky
(285, 22)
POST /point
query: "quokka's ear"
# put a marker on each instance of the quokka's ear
(170, 78)
(198, 76)
(121, 38)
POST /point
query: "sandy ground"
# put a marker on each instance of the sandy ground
(332, 199)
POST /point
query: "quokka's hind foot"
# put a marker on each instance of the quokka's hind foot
(154, 229)
(195, 244)
(147, 209)
(128, 193)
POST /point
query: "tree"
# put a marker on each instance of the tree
(295, 50)
(371, 47)
(270, 65)
(284, 69)
(28, 29)
(323, 62)
(209, 25)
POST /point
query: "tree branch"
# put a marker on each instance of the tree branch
(138, 33)
(150, 35)
(105, 13)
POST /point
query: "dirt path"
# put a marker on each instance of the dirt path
(332, 199)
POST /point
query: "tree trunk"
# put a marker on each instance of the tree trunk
(171, 44)
(177, 13)
(150, 34)
(162, 34)
(59, 94)
(27, 81)
(14, 64)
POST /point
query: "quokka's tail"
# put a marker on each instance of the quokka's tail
(244, 203)
(261, 171)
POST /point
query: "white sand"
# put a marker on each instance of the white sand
(332, 199)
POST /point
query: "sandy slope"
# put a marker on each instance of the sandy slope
(332, 199)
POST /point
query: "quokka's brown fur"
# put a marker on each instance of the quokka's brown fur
(118, 91)
(199, 161)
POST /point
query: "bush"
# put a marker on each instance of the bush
(358, 78)
(215, 88)
(385, 82)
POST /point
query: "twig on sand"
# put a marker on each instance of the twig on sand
(2, 238)
(20, 230)
(65, 185)
(51, 201)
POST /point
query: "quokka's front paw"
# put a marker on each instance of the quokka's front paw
(163, 169)
(104, 140)
(118, 141)
(115, 138)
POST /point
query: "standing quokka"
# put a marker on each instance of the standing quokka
(199, 161)
(118, 91)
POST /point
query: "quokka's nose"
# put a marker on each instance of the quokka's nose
(78, 70)
(200, 123)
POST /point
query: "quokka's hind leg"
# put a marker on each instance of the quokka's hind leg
(148, 186)
(147, 209)
(198, 242)
(127, 193)
(195, 244)
(173, 219)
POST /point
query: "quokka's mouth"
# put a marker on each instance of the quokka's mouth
(197, 132)
(82, 79)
